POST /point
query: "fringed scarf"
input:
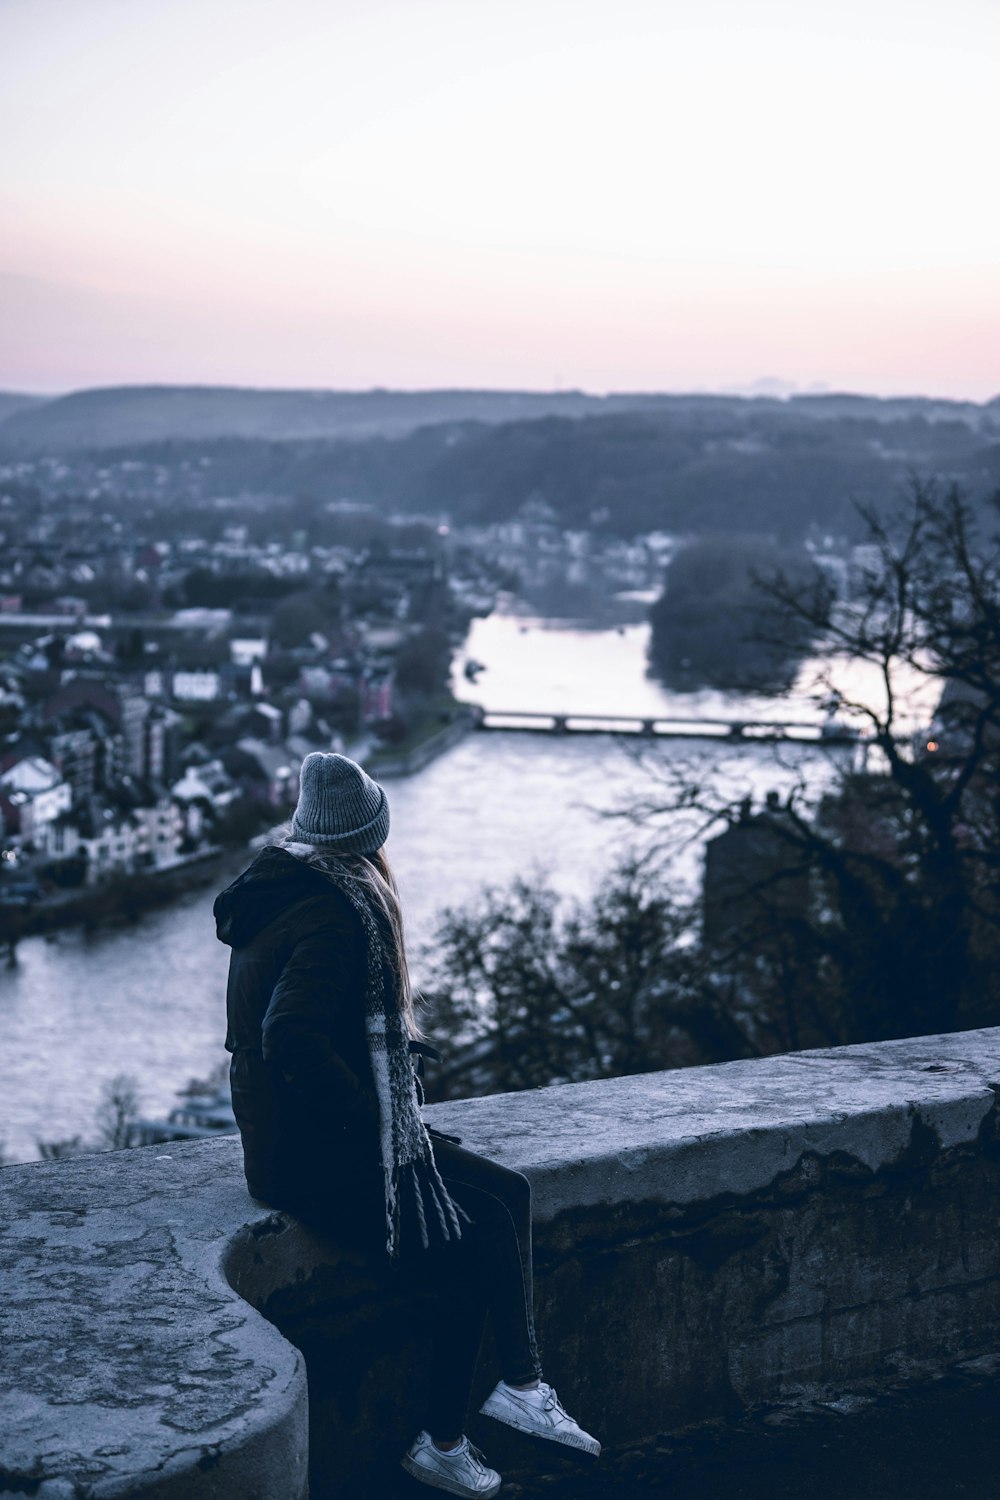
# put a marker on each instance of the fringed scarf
(407, 1154)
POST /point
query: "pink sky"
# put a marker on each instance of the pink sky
(651, 194)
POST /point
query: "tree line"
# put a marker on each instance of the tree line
(697, 467)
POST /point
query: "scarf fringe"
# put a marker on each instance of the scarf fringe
(433, 1205)
(418, 1199)
(447, 1207)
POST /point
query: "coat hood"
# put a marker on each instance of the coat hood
(275, 880)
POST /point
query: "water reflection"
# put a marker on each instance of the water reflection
(559, 666)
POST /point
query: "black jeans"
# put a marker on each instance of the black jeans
(487, 1272)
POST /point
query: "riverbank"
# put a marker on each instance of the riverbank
(121, 899)
(431, 739)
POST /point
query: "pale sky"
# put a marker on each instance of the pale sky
(609, 194)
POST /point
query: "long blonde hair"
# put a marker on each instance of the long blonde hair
(373, 874)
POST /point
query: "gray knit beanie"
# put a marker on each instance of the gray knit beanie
(339, 804)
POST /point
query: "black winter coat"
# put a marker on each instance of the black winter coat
(302, 1086)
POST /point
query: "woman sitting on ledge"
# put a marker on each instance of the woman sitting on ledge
(323, 1037)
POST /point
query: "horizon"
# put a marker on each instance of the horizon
(818, 391)
(529, 195)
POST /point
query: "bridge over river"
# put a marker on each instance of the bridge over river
(829, 732)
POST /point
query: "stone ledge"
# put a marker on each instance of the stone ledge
(133, 1367)
(690, 1135)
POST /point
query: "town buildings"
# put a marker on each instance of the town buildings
(162, 679)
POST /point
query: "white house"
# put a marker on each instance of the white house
(197, 686)
(115, 845)
(39, 792)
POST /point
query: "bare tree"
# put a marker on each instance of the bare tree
(60, 1150)
(897, 929)
(118, 1112)
(526, 990)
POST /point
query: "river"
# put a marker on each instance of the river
(148, 1000)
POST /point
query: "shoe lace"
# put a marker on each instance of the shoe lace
(477, 1457)
(552, 1402)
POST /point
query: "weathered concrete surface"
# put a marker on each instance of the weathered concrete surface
(706, 1240)
(129, 1365)
(688, 1136)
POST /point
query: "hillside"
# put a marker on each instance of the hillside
(13, 401)
(689, 464)
(125, 415)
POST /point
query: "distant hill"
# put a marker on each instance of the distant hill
(13, 401)
(626, 463)
(677, 463)
(127, 416)
(121, 416)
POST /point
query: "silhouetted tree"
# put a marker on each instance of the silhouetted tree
(525, 990)
(117, 1112)
(899, 928)
(423, 661)
(59, 1150)
(303, 614)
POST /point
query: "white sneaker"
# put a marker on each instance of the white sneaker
(461, 1471)
(540, 1412)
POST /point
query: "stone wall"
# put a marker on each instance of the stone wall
(706, 1240)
